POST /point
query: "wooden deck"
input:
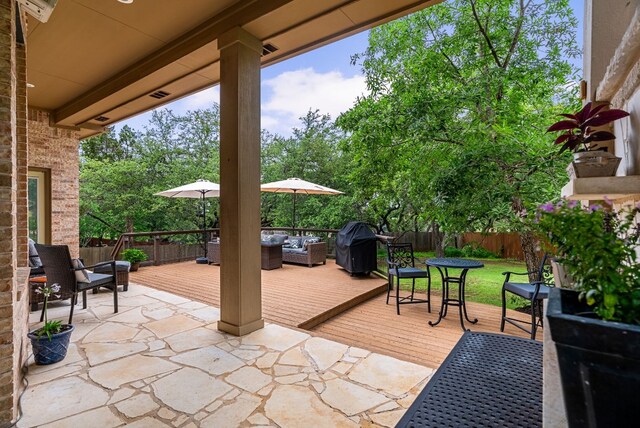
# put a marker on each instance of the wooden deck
(294, 296)
(332, 304)
(375, 326)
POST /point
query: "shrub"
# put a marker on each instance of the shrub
(133, 255)
(474, 250)
(453, 252)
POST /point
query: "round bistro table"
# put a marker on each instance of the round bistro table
(443, 265)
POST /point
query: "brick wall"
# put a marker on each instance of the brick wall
(8, 187)
(26, 142)
(56, 149)
(22, 209)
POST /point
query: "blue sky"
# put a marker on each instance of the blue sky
(325, 76)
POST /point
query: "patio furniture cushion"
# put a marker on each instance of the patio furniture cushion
(275, 239)
(34, 260)
(121, 266)
(295, 243)
(409, 272)
(96, 279)
(295, 250)
(310, 240)
(526, 290)
(82, 275)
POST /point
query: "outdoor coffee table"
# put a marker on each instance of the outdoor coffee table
(488, 380)
(445, 264)
(270, 255)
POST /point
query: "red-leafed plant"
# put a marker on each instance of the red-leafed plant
(579, 134)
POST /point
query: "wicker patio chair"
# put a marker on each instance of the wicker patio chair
(58, 268)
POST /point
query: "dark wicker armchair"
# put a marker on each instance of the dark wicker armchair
(58, 268)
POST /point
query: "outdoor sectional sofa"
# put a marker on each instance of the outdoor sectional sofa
(304, 250)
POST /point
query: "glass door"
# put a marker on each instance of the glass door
(38, 211)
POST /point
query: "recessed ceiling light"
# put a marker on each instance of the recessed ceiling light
(126, 1)
(30, 85)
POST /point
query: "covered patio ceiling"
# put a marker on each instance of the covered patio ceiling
(96, 62)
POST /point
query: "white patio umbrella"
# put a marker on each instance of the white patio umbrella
(200, 189)
(295, 186)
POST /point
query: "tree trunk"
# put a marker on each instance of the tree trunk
(129, 225)
(527, 241)
(439, 239)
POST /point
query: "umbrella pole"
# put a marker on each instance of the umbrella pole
(204, 225)
(293, 220)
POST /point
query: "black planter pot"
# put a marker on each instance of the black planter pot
(599, 364)
(49, 351)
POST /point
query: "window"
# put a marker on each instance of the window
(39, 212)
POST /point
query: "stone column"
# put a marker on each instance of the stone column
(605, 22)
(240, 288)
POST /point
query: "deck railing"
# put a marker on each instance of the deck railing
(180, 245)
(164, 247)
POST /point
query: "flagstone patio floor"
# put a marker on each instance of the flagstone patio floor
(161, 362)
(332, 304)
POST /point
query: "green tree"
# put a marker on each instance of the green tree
(454, 126)
(120, 172)
(312, 153)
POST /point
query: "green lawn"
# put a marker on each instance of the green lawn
(483, 285)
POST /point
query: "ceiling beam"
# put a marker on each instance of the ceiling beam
(236, 15)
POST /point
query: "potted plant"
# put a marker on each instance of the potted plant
(596, 326)
(134, 256)
(51, 341)
(579, 134)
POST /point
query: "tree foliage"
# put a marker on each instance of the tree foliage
(120, 172)
(451, 135)
(312, 153)
(460, 97)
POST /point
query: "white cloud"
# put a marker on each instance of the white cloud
(286, 98)
(202, 99)
(293, 93)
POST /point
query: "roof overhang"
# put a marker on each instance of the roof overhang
(96, 62)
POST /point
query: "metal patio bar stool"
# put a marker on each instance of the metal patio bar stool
(534, 291)
(401, 265)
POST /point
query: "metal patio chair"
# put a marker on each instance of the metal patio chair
(534, 291)
(401, 265)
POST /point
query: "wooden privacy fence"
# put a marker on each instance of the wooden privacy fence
(421, 241)
(93, 255)
(505, 245)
